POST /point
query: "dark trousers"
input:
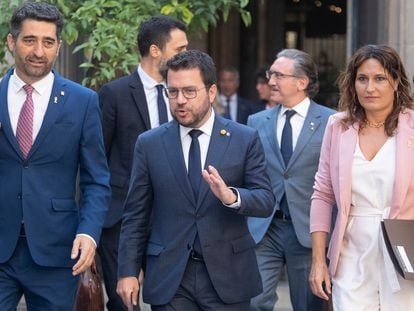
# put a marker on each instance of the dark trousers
(108, 254)
(44, 288)
(279, 248)
(196, 292)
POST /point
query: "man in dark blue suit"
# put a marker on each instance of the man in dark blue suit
(130, 107)
(199, 252)
(50, 130)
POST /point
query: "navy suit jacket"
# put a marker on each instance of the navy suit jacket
(245, 108)
(160, 188)
(297, 178)
(40, 190)
(125, 116)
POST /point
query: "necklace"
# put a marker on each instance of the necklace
(374, 124)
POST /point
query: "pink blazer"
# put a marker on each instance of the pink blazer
(333, 179)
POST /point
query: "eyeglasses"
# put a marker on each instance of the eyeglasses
(278, 75)
(188, 92)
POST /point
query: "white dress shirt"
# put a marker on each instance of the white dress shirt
(233, 105)
(16, 97)
(151, 95)
(296, 120)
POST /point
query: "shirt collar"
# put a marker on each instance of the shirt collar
(147, 81)
(206, 128)
(301, 108)
(40, 86)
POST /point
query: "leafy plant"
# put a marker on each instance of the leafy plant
(105, 30)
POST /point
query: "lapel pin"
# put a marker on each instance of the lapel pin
(55, 100)
(410, 142)
(223, 132)
(312, 126)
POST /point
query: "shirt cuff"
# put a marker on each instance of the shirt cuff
(236, 204)
(88, 236)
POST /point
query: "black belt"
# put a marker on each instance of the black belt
(280, 215)
(22, 231)
(196, 256)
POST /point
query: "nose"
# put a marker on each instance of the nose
(180, 98)
(38, 49)
(370, 86)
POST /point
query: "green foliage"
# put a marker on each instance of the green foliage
(105, 30)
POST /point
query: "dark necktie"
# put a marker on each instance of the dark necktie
(24, 130)
(287, 149)
(162, 109)
(286, 142)
(227, 114)
(194, 162)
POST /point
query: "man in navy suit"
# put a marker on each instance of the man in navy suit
(233, 106)
(199, 252)
(129, 107)
(50, 130)
(292, 160)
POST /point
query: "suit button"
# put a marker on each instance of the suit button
(198, 216)
(286, 175)
(19, 196)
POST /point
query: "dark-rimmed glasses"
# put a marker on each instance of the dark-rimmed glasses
(188, 92)
(278, 75)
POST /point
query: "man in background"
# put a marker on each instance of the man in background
(131, 105)
(291, 134)
(50, 129)
(233, 106)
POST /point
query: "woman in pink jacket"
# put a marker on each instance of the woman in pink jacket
(366, 169)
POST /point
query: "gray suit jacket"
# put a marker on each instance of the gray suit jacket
(160, 189)
(297, 178)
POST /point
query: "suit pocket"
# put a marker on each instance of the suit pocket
(154, 249)
(244, 243)
(64, 205)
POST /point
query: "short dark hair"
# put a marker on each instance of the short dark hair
(37, 11)
(194, 59)
(303, 65)
(393, 66)
(157, 31)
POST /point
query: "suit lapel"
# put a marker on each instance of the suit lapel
(138, 93)
(5, 124)
(310, 125)
(216, 149)
(56, 104)
(173, 149)
(347, 144)
(404, 166)
(270, 126)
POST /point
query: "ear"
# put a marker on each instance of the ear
(302, 83)
(58, 48)
(212, 93)
(154, 51)
(11, 42)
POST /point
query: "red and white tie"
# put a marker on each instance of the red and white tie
(24, 131)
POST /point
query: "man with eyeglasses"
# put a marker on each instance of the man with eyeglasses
(291, 134)
(199, 252)
(131, 105)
